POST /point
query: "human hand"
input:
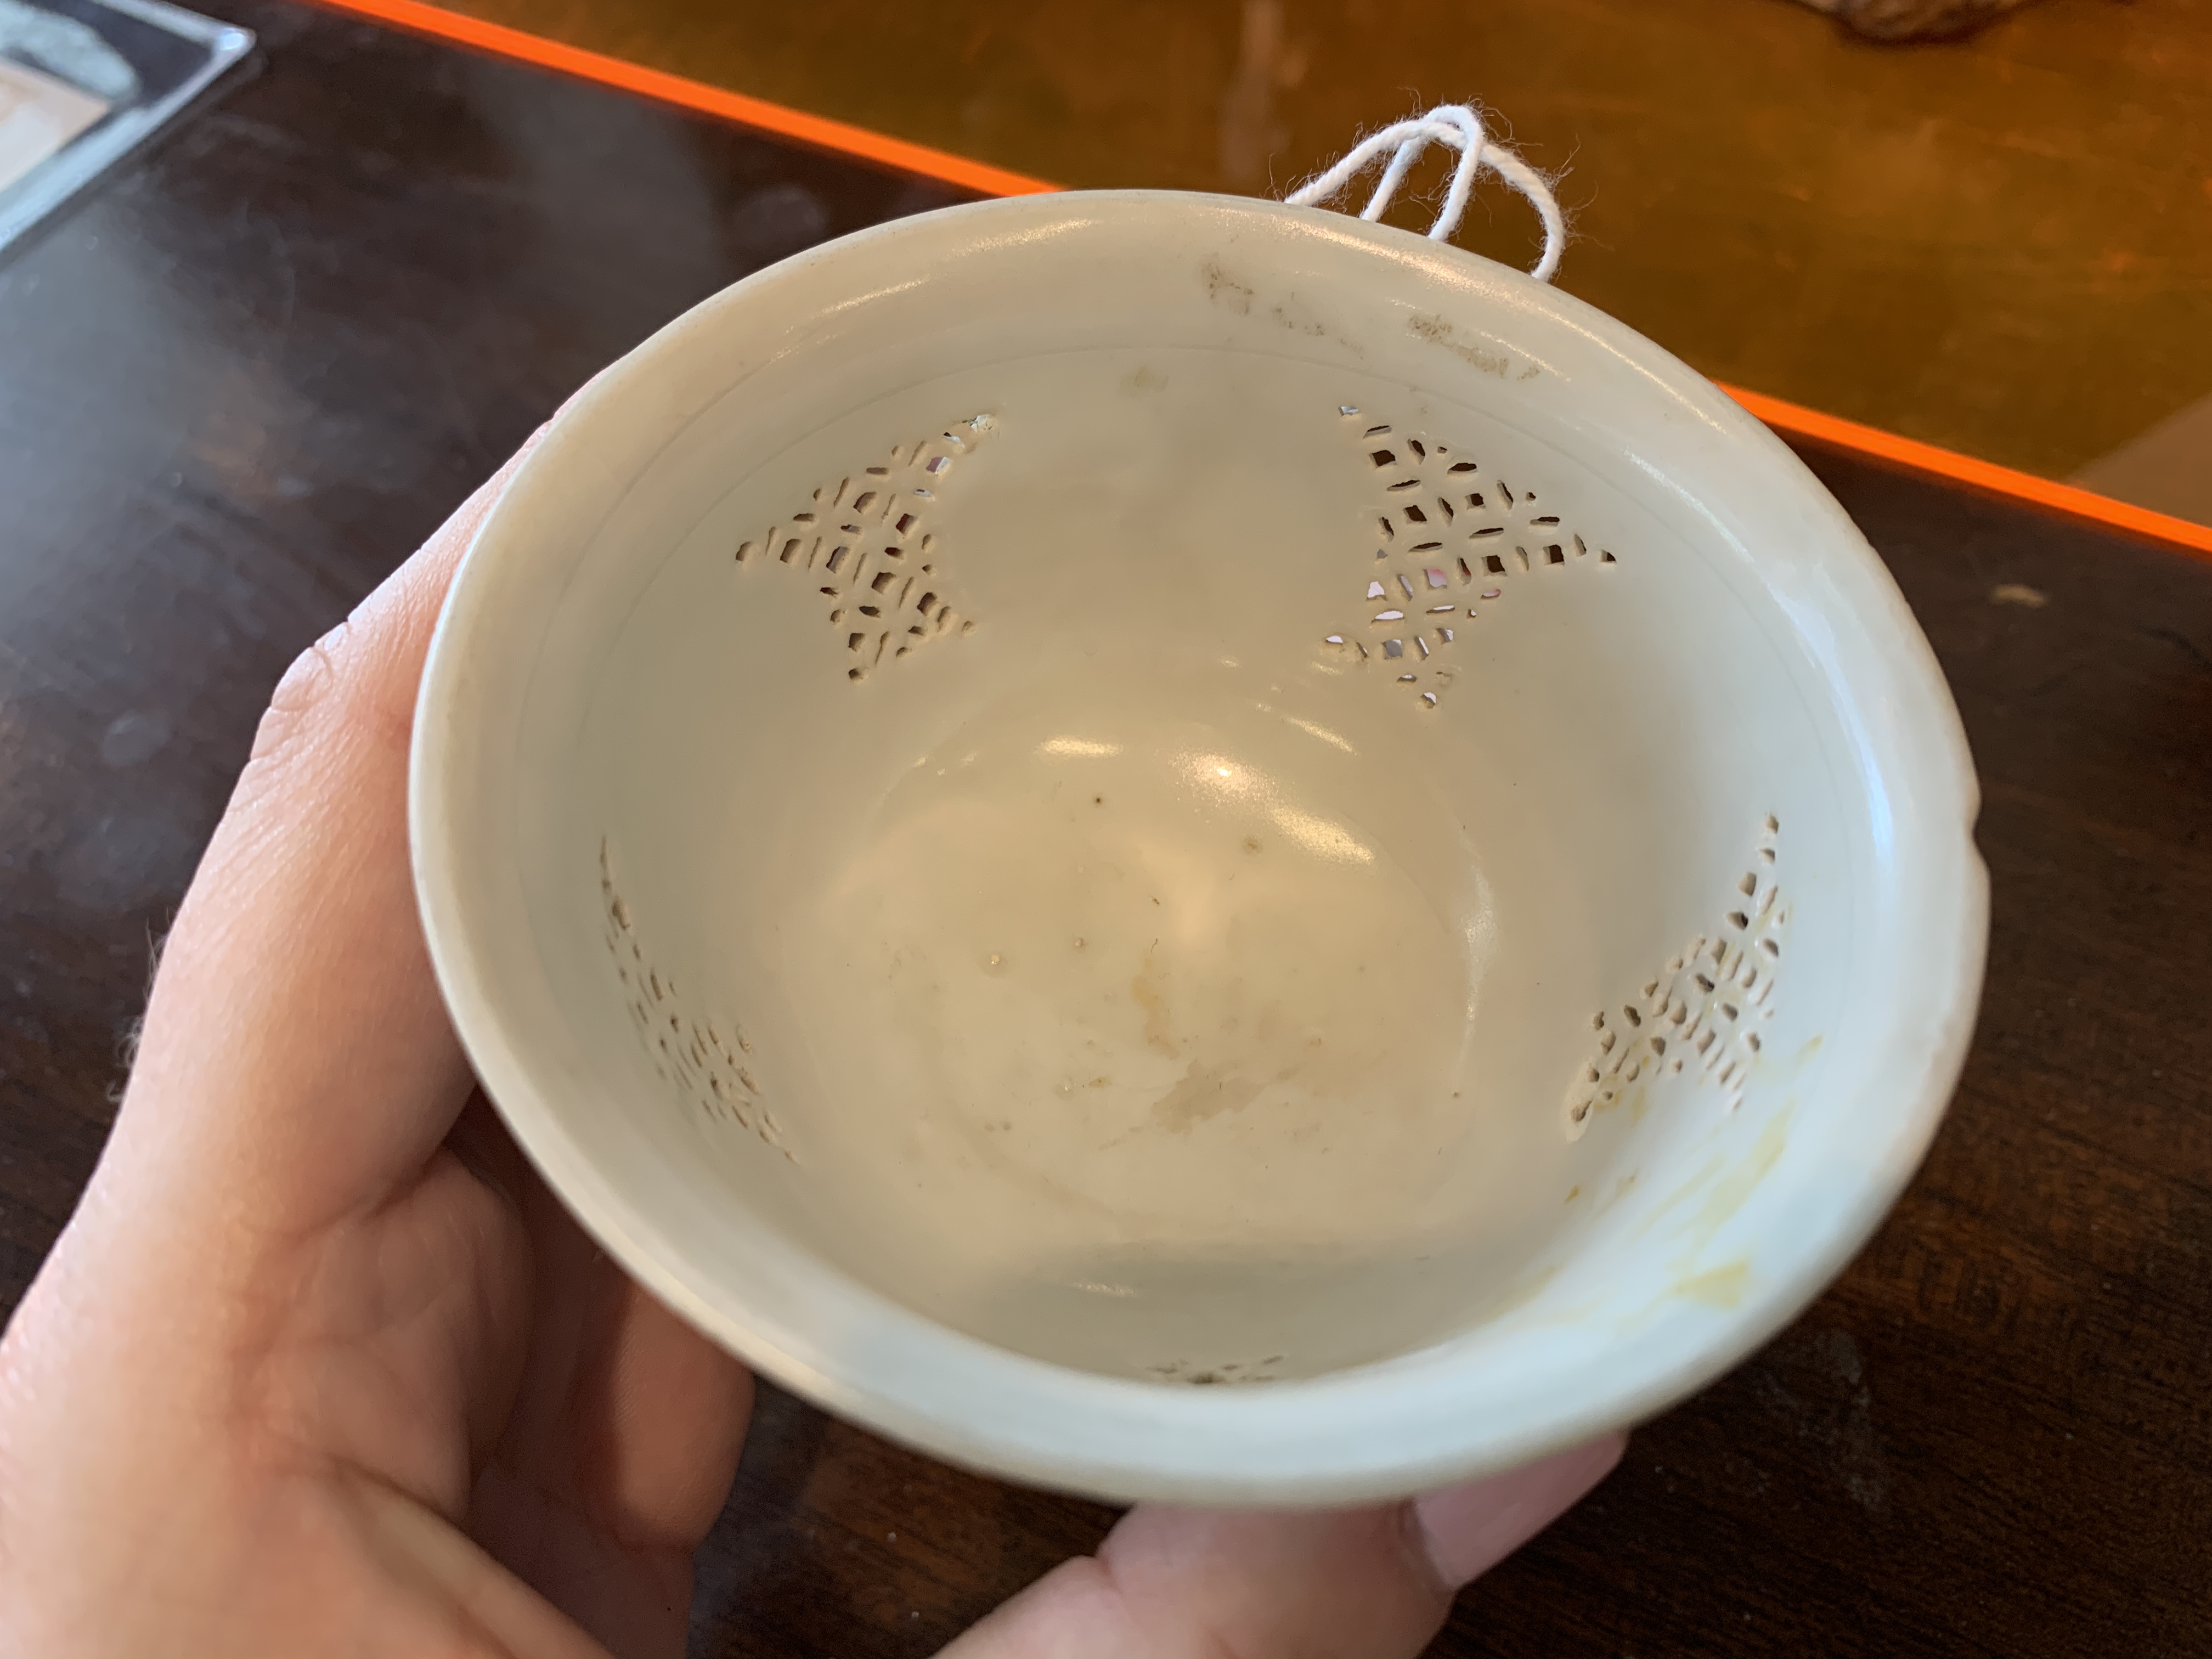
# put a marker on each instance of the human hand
(320, 1366)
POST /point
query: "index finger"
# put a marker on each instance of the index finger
(296, 1057)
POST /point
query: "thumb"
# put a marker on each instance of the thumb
(1371, 1583)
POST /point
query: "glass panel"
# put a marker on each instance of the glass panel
(84, 81)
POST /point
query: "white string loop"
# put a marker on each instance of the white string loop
(1456, 126)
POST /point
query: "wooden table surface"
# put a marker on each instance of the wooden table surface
(1999, 244)
(247, 378)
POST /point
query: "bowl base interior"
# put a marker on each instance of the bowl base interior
(1160, 1018)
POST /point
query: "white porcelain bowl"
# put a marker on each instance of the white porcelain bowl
(1095, 793)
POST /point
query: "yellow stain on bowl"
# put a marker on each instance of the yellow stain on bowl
(1622, 1188)
(1717, 1287)
(1726, 1183)
(1735, 1187)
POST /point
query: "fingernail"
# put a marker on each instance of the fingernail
(1469, 1530)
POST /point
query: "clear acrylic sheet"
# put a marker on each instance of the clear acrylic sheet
(82, 83)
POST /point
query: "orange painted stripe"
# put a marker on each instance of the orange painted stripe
(984, 179)
(2069, 499)
(815, 129)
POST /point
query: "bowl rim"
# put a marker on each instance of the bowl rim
(1374, 1433)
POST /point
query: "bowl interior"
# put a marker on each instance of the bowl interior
(1109, 947)
(1197, 820)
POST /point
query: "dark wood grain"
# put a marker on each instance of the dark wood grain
(242, 381)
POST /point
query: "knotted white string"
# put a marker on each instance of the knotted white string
(1456, 126)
